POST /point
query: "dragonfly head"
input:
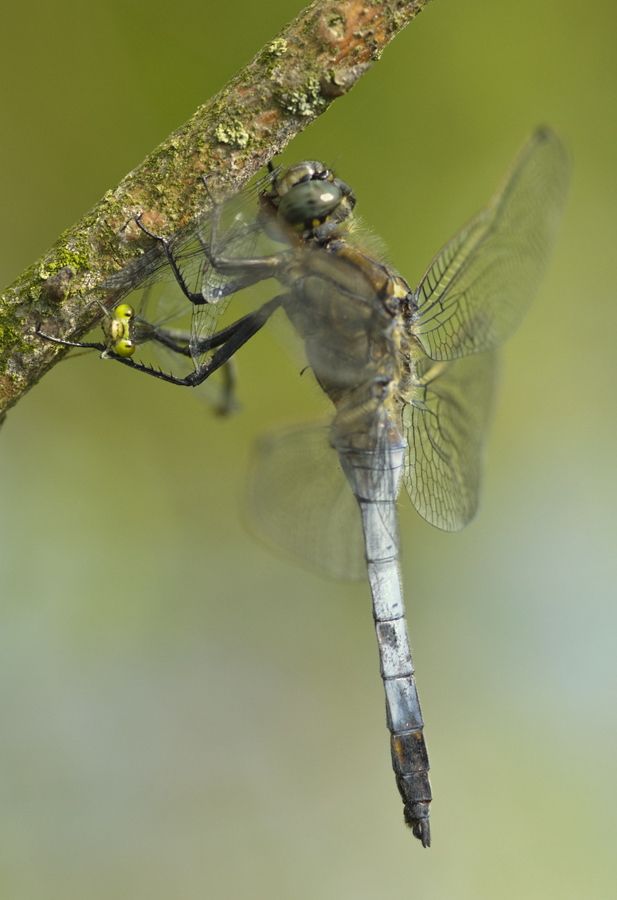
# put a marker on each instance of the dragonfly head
(308, 198)
(118, 330)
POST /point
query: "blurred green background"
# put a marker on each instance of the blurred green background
(183, 715)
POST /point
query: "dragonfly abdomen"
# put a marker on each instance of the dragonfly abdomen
(403, 715)
(374, 477)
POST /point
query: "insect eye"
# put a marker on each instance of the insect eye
(124, 311)
(124, 347)
(301, 172)
(309, 201)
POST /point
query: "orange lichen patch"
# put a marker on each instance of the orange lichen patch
(358, 18)
(9, 390)
(364, 32)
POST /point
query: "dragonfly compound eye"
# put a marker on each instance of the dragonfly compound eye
(124, 311)
(125, 347)
(309, 203)
(304, 171)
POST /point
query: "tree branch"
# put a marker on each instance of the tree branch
(315, 59)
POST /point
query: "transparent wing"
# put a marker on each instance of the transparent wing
(152, 266)
(165, 311)
(299, 501)
(479, 286)
(162, 305)
(446, 420)
(240, 233)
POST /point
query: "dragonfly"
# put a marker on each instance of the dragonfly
(410, 374)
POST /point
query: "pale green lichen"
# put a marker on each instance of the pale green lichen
(10, 332)
(304, 101)
(271, 54)
(60, 259)
(232, 133)
(277, 47)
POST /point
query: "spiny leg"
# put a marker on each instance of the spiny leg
(228, 340)
(83, 345)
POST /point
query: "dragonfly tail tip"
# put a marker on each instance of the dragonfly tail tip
(420, 827)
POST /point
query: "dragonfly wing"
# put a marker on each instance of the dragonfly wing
(446, 419)
(299, 501)
(164, 312)
(152, 265)
(479, 286)
(240, 233)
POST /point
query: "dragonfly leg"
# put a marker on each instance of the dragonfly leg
(81, 344)
(178, 341)
(248, 325)
(260, 267)
(228, 340)
(229, 378)
(194, 296)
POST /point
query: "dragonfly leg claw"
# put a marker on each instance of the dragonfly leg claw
(156, 237)
(205, 179)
